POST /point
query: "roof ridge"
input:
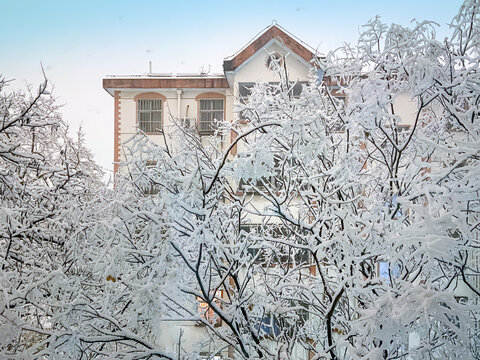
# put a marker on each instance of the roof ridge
(265, 29)
(273, 31)
(251, 40)
(309, 47)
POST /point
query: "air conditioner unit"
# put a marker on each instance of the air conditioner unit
(189, 122)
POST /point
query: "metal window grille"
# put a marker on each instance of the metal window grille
(475, 272)
(276, 254)
(206, 312)
(150, 115)
(210, 112)
(245, 90)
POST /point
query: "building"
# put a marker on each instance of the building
(153, 102)
(157, 103)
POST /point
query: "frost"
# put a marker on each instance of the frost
(340, 230)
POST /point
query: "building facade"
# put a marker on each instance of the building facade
(157, 103)
(153, 103)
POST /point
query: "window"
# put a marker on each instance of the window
(261, 184)
(245, 90)
(151, 188)
(271, 325)
(207, 313)
(149, 115)
(210, 111)
(337, 105)
(276, 181)
(267, 326)
(274, 61)
(272, 254)
(206, 356)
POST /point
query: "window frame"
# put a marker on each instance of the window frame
(207, 313)
(209, 97)
(245, 91)
(150, 97)
(297, 256)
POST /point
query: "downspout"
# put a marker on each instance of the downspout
(179, 102)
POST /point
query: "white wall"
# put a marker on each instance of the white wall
(128, 109)
(255, 69)
(406, 109)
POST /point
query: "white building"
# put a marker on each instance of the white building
(152, 102)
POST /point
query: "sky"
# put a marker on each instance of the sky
(78, 43)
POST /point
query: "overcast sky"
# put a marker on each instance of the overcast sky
(79, 42)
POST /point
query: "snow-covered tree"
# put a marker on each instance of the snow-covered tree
(347, 229)
(47, 183)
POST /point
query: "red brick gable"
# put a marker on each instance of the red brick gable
(273, 32)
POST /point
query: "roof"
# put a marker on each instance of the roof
(167, 76)
(273, 32)
(164, 82)
(210, 81)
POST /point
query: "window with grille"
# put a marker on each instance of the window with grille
(271, 325)
(267, 326)
(210, 112)
(388, 271)
(150, 115)
(273, 182)
(473, 275)
(151, 187)
(276, 253)
(206, 312)
(245, 90)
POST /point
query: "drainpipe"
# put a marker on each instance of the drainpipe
(179, 102)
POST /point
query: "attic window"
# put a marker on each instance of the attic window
(273, 61)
